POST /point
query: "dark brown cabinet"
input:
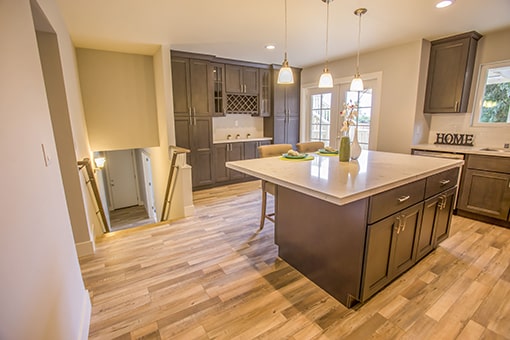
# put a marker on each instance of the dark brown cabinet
(283, 125)
(191, 79)
(390, 249)
(223, 153)
(486, 188)
(242, 79)
(450, 73)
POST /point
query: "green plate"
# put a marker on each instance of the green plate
(328, 152)
(300, 156)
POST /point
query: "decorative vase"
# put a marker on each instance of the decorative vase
(344, 151)
(355, 147)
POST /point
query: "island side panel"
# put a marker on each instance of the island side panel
(324, 241)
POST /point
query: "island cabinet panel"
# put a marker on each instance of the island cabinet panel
(324, 241)
(390, 248)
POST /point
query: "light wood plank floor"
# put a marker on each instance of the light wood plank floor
(213, 276)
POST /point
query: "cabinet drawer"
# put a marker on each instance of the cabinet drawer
(490, 163)
(441, 181)
(391, 201)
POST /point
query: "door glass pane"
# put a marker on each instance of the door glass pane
(321, 117)
(364, 101)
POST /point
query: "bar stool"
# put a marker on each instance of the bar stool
(309, 146)
(270, 150)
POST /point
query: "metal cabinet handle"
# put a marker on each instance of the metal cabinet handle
(444, 182)
(194, 116)
(403, 198)
(457, 105)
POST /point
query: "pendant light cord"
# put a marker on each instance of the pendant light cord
(285, 29)
(327, 30)
(359, 44)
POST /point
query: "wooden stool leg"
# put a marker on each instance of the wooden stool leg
(263, 212)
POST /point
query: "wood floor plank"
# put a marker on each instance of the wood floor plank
(214, 275)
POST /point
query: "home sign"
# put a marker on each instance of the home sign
(454, 138)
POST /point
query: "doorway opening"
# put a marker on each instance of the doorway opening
(125, 185)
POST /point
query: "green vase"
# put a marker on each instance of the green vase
(344, 152)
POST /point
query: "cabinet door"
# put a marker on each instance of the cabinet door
(220, 158)
(280, 123)
(181, 86)
(292, 130)
(201, 151)
(426, 234)
(200, 87)
(235, 154)
(250, 150)
(444, 216)
(251, 80)
(450, 73)
(217, 72)
(486, 193)
(390, 248)
(233, 79)
(377, 257)
(183, 134)
(403, 252)
(264, 93)
(292, 96)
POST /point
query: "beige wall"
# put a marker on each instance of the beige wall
(400, 79)
(402, 121)
(119, 99)
(493, 46)
(42, 295)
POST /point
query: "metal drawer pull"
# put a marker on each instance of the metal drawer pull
(403, 198)
(444, 182)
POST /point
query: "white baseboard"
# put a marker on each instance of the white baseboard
(86, 311)
(189, 210)
(85, 248)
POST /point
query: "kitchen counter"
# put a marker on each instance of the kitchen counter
(353, 227)
(340, 183)
(473, 150)
(239, 140)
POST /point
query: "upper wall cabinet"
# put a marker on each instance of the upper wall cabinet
(450, 73)
(242, 79)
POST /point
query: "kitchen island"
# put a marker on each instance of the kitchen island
(353, 227)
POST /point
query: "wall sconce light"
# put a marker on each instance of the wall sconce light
(326, 80)
(357, 82)
(99, 160)
(285, 75)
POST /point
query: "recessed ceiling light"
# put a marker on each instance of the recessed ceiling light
(444, 3)
(270, 47)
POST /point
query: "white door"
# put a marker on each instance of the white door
(122, 178)
(149, 191)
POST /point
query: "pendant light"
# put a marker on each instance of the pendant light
(326, 80)
(357, 82)
(285, 75)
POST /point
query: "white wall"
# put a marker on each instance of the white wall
(400, 67)
(493, 46)
(42, 295)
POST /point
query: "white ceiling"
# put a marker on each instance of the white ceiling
(239, 29)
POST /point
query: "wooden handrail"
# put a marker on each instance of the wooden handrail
(85, 163)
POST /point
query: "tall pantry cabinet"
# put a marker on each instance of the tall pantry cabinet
(191, 79)
(283, 125)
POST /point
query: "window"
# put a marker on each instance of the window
(364, 100)
(492, 101)
(320, 118)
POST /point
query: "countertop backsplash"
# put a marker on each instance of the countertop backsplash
(495, 136)
(243, 125)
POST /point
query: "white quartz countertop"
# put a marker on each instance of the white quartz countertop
(472, 150)
(325, 177)
(238, 140)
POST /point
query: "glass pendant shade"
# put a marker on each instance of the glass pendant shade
(326, 80)
(357, 84)
(285, 76)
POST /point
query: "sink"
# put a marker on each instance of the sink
(495, 149)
